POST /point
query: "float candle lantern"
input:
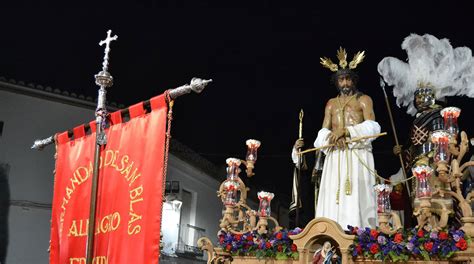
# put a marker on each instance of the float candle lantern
(383, 197)
(230, 188)
(233, 169)
(251, 157)
(252, 146)
(441, 140)
(450, 116)
(422, 174)
(264, 209)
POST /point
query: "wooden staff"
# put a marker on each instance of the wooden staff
(382, 84)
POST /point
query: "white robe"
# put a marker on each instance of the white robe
(359, 208)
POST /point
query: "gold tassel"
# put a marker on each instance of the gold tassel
(337, 196)
(348, 186)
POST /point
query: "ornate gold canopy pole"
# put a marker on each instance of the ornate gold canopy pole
(104, 80)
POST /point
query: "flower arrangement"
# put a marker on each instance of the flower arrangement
(277, 245)
(414, 243)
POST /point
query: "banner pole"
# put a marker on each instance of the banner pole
(104, 80)
(196, 85)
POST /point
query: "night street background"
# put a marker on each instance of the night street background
(263, 58)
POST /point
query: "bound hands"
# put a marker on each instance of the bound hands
(337, 137)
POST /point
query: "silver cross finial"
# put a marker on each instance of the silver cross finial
(107, 41)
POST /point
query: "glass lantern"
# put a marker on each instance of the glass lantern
(231, 188)
(233, 169)
(383, 197)
(450, 116)
(252, 146)
(440, 139)
(423, 174)
(264, 209)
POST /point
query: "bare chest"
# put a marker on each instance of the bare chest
(346, 112)
(348, 105)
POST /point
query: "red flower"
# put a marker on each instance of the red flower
(398, 238)
(246, 246)
(221, 239)
(443, 235)
(373, 233)
(420, 233)
(374, 248)
(238, 237)
(461, 244)
(294, 248)
(228, 247)
(428, 246)
(279, 235)
(279, 248)
(268, 245)
(359, 249)
(249, 238)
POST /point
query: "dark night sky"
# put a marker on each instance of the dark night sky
(263, 58)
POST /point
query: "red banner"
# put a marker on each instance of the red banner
(129, 200)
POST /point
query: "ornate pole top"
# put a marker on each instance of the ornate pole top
(103, 78)
(382, 85)
(196, 85)
(105, 64)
